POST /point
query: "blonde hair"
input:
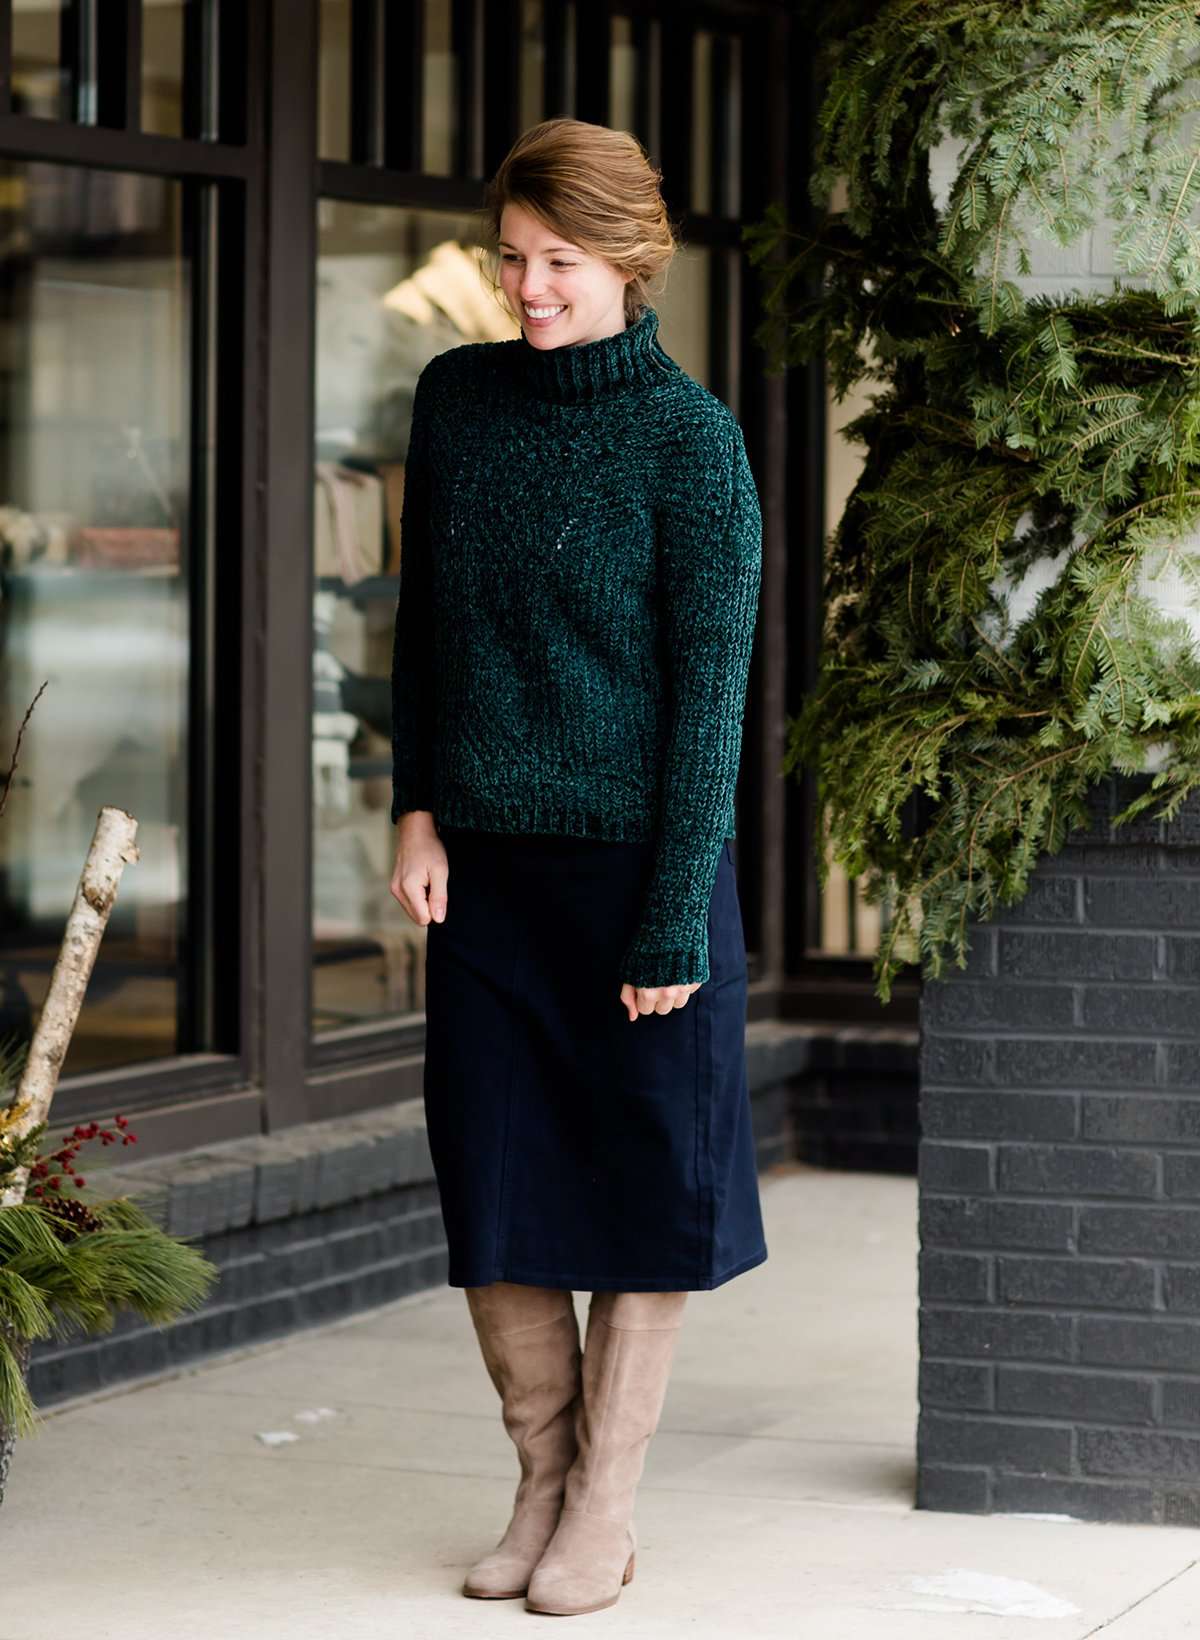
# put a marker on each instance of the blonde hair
(595, 186)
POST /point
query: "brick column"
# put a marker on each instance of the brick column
(1060, 1191)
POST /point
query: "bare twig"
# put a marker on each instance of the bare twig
(12, 767)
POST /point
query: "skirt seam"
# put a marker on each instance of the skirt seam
(502, 1193)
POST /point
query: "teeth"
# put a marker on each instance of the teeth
(542, 313)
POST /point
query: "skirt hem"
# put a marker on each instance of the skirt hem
(597, 1284)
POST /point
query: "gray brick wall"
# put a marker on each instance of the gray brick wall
(1059, 1170)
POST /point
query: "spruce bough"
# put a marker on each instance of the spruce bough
(952, 744)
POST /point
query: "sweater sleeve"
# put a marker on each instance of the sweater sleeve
(412, 644)
(710, 567)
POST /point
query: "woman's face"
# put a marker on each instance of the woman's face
(560, 294)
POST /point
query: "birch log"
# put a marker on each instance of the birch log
(113, 848)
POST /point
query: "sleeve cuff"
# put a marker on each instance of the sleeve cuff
(665, 967)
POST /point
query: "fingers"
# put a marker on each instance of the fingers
(655, 999)
(419, 883)
(439, 876)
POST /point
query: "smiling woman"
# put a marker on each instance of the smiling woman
(582, 551)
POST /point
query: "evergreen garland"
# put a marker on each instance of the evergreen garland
(952, 744)
(70, 1262)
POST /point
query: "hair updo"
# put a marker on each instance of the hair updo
(595, 186)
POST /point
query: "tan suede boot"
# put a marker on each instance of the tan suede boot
(627, 1358)
(530, 1342)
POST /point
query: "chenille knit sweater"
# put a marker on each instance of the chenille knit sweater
(580, 565)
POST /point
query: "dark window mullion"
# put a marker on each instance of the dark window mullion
(236, 38)
(118, 63)
(558, 67)
(675, 91)
(197, 1011)
(647, 104)
(467, 38)
(366, 82)
(592, 62)
(502, 87)
(5, 59)
(201, 68)
(724, 146)
(77, 52)
(403, 80)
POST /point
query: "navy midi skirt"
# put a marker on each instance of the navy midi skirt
(575, 1147)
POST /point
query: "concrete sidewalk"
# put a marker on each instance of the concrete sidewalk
(777, 1498)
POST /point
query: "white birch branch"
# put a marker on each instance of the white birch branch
(112, 849)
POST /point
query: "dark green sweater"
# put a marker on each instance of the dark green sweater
(580, 564)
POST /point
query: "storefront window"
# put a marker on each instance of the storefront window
(622, 74)
(685, 308)
(94, 480)
(440, 90)
(394, 287)
(39, 82)
(162, 66)
(533, 63)
(333, 97)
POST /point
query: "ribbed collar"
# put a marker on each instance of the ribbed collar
(593, 370)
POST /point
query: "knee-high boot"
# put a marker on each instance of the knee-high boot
(627, 1355)
(529, 1338)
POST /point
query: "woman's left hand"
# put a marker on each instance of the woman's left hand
(655, 999)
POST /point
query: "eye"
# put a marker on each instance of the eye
(564, 264)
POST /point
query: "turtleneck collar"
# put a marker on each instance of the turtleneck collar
(577, 374)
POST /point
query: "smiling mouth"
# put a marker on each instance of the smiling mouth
(543, 313)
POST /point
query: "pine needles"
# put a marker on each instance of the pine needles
(959, 724)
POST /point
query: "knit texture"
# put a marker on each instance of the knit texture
(580, 566)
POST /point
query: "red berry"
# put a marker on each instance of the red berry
(78, 1180)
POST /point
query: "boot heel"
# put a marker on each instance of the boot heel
(628, 1578)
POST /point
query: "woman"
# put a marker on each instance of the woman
(580, 573)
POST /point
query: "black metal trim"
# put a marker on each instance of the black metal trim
(77, 55)
(675, 79)
(593, 58)
(101, 148)
(238, 33)
(284, 593)
(6, 68)
(364, 185)
(502, 87)
(558, 70)
(647, 96)
(467, 37)
(403, 84)
(119, 64)
(366, 82)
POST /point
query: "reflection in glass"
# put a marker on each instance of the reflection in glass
(731, 202)
(40, 86)
(94, 389)
(622, 75)
(394, 287)
(702, 120)
(685, 309)
(162, 66)
(333, 93)
(440, 83)
(533, 63)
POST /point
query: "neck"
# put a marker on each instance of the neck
(629, 359)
